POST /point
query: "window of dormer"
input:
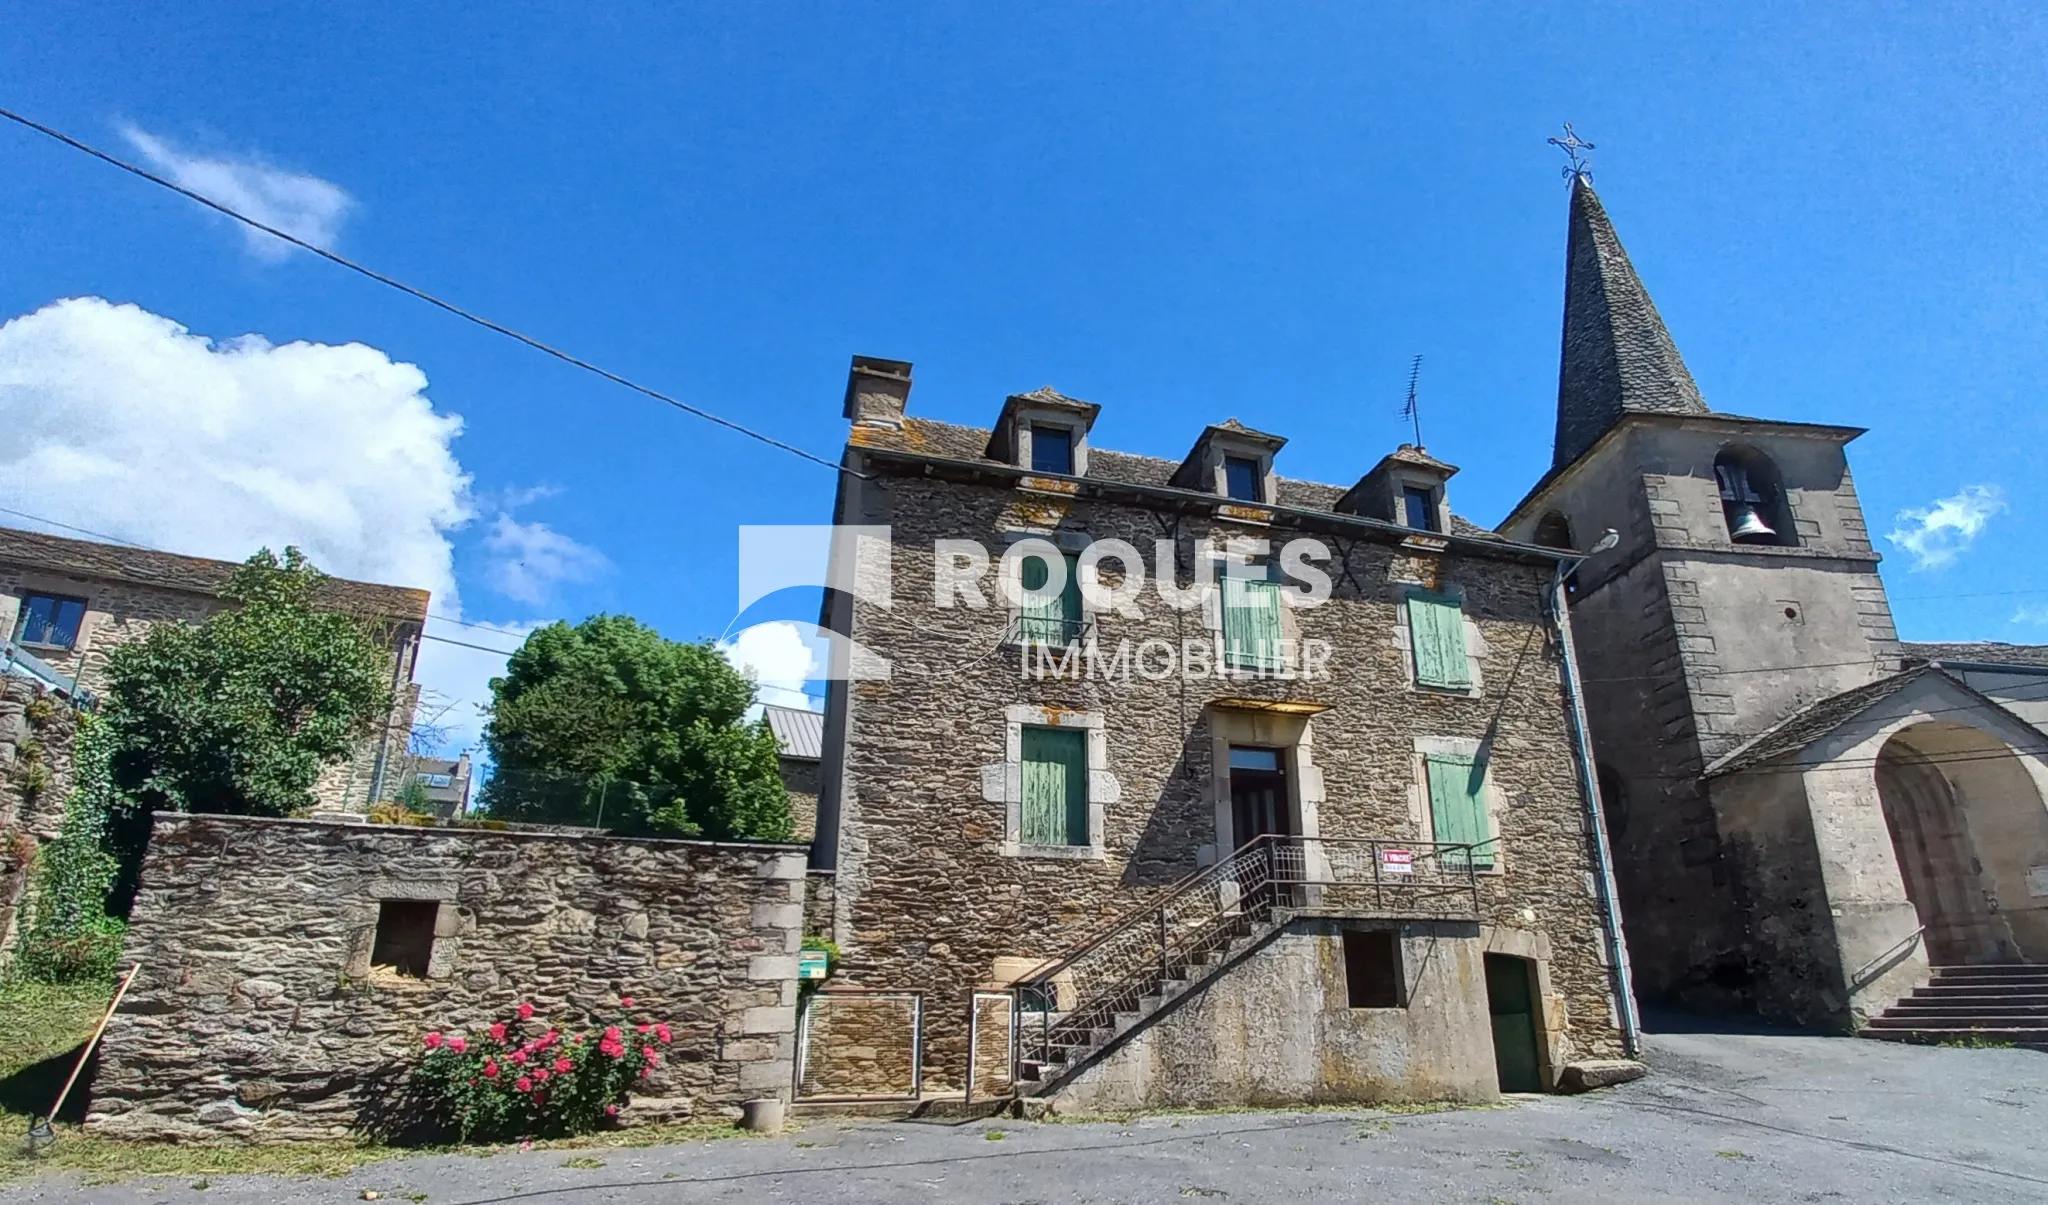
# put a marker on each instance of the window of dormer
(1418, 507)
(1052, 449)
(1241, 478)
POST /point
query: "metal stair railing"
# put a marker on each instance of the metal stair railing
(1061, 1007)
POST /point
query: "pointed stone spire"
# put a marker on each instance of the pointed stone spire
(1618, 357)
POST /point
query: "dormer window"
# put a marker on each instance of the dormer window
(1241, 478)
(1418, 507)
(1405, 488)
(1052, 449)
(1043, 431)
(1231, 461)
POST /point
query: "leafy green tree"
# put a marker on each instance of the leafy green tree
(241, 713)
(607, 715)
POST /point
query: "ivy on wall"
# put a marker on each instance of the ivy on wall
(65, 934)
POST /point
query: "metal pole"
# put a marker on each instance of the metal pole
(1589, 785)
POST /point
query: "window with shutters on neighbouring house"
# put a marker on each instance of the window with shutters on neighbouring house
(1252, 629)
(1055, 787)
(1457, 808)
(1055, 619)
(1436, 631)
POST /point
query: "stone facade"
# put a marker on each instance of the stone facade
(258, 1013)
(128, 591)
(918, 808)
(800, 778)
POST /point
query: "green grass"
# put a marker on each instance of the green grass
(39, 1020)
(105, 1160)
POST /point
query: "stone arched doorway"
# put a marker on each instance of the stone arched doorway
(1931, 778)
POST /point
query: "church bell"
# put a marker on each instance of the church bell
(1750, 525)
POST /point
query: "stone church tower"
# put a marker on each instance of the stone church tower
(1744, 589)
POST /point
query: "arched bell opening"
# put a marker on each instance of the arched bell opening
(1753, 498)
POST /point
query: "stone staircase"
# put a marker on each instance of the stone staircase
(1068, 1042)
(1072, 1010)
(2001, 1004)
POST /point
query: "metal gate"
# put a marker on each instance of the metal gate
(991, 1045)
(857, 1044)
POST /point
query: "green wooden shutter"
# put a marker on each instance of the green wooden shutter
(1457, 805)
(1436, 630)
(1055, 771)
(1051, 620)
(1251, 623)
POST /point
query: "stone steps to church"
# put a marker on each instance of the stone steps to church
(2001, 972)
(2016, 1007)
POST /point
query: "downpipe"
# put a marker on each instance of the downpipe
(1589, 786)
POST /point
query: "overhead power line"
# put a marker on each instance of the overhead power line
(421, 294)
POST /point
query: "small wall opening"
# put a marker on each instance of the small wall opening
(1372, 968)
(405, 936)
(1753, 499)
(1554, 531)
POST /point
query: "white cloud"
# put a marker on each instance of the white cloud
(304, 206)
(2031, 614)
(1938, 533)
(533, 558)
(781, 655)
(121, 421)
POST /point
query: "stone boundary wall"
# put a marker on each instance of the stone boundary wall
(258, 1015)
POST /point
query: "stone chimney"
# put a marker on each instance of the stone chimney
(877, 391)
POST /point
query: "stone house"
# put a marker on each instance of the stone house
(66, 605)
(1281, 850)
(799, 741)
(1809, 818)
(444, 781)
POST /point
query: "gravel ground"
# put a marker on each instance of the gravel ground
(1724, 1117)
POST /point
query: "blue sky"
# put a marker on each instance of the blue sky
(1183, 212)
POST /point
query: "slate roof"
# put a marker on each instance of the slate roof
(1980, 652)
(1618, 356)
(929, 437)
(1802, 728)
(190, 574)
(799, 733)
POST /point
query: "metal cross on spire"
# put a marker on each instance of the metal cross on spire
(1573, 146)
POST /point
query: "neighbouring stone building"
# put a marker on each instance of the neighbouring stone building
(290, 968)
(1360, 828)
(66, 605)
(1809, 818)
(799, 742)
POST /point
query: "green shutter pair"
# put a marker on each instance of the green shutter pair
(1251, 623)
(1054, 620)
(1436, 629)
(1457, 807)
(1055, 771)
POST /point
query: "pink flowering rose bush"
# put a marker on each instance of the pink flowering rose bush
(527, 1078)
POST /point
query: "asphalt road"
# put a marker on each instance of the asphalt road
(1724, 1117)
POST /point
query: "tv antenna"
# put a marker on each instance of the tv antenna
(1412, 410)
